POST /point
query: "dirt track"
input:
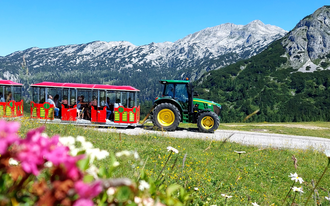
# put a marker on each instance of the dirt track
(247, 138)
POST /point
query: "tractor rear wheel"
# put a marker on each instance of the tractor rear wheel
(208, 122)
(166, 116)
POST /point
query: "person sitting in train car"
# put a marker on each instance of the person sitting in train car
(1, 97)
(9, 97)
(93, 103)
(65, 100)
(80, 108)
(56, 99)
(50, 101)
(107, 104)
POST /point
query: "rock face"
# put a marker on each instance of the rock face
(309, 42)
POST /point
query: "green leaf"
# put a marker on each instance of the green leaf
(88, 178)
(123, 194)
(83, 164)
(172, 188)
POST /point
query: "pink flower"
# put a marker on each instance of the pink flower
(8, 134)
(31, 151)
(88, 190)
(83, 202)
(57, 154)
(72, 170)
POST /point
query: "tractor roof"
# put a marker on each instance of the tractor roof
(163, 81)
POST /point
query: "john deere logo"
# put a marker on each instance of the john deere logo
(46, 105)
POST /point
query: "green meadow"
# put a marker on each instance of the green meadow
(207, 168)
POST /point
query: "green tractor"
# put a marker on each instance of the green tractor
(178, 104)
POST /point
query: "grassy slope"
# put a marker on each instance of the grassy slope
(260, 175)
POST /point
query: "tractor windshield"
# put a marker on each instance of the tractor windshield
(181, 93)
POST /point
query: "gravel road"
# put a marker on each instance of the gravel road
(242, 137)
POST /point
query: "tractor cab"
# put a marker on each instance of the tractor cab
(177, 104)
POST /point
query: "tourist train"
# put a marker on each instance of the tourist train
(81, 104)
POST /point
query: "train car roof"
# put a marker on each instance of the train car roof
(8, 82)
(85, 86)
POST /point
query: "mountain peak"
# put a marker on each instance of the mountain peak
(310, 39)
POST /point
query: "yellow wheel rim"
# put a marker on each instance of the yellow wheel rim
(207, 122)
(165, 117)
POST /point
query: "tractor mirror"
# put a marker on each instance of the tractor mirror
(195, 94)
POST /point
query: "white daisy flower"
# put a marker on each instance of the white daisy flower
(143, 185)
(226, 196)
(123, 153)
(327, 198)
(296, 178)
(255, 204)
(297, 189)
(327, 153)
(169, 148)
(115, 164)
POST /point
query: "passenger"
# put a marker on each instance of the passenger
(65, 100)
(1, 97)
(50, 101)
(93, 103)
(107, 104)
(80, 108)
(56, 99)
(9, 97)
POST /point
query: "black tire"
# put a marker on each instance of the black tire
(166, 116)
(208, 122)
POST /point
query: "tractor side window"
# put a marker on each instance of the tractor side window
(169, 90)
(181, 93)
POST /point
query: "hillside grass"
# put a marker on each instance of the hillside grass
(260, 175)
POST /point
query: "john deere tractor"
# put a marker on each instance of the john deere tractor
(178, 104)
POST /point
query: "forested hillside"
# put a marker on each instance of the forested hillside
(264, 82)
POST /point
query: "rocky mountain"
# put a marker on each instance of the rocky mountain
(141, 66)
(288, 81)
(308, 44)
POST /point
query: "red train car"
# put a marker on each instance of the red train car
(85, 104)
(11, 102)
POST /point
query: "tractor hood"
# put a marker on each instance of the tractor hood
(203, 101)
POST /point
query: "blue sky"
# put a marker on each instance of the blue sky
(44, 23)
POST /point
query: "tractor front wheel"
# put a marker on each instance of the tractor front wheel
(208, 122)
(166, 116)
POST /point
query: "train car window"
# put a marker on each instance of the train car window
(94, 98)
(85, 96)
(17, 94)
(112, 97)
(42, 94)
(8, 94)
(102, 98)
(131, 100)
(35, 94)
(124, 99)
(73, 100)
(65, 96)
